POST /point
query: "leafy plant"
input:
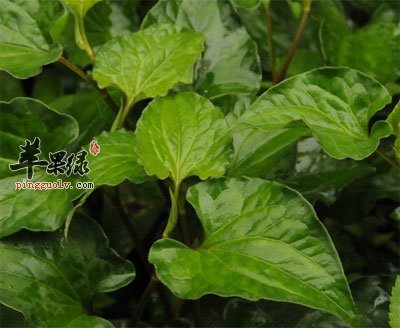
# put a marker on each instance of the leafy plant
(199, 163)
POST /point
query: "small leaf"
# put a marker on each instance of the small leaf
(23, 47)
(230, 64)
(336, 104)
(262, 241)
(149, 62)
(53, 281)
(182, 135)
(37, 120)
(394, 313)
(116, 161)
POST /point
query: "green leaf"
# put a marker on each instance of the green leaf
(377, 47)
(52, 281)
(263, 240)
(23, 47)
(394, 313)
(10, 87)
(336, 104)
(230, 63)
(250, 4)
(394, 121)
(116, 161)
(182, 135)
(37, 120)
(96, 118)
(34, 209)
(319, 177)
(149, 62)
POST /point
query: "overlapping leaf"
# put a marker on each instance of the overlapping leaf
(262, 241)
(336, 104)
(182, 135)
(149, 62)
(52, 282)
(116, 161)
(394, 120)
(24, 48)
(230, 63)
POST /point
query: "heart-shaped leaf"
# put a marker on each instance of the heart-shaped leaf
(149, 62)
(262, 241)
(230, 64)
(23, 47)
(336, 104)
(116, 161)
(52, 281)
(182, 135)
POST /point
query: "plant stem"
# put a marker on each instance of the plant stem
(103, 92)
(300, 29)
(122, 115)
(144, 299)
(387, 158)
(81, 39)
(183, 221)
(271, 52)
(173, 214)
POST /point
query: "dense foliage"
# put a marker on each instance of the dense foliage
(244, 157)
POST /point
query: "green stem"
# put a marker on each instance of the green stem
(173, 213)
(271, 51)
(382, 154)
(296, 40)
(103, 92)
(81, 39)
(122, 115)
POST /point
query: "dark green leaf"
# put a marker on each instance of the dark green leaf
(52, 281)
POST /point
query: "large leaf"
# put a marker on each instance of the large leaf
(26, 118)
(262, 241)
(182, 135)
(23, 47)
(80, 7)
(148, 63)
(53, 281)
(394, 313)
(336, 104)
(116, 161)
(230, 64)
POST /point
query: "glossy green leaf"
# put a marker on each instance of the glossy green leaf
(262, 241)
(319, 177)
(182, 135)
(394, 313)
(148, 63)
(52, 281)
(394, 120)
(116, 161)
(23, 47)
(230, 63)
(336, 104)
(47, 212)
(37, 120)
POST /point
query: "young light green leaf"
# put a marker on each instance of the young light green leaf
(182, 135)
(149, 62)
(335, 103)
(394, 313)
(23, 47)
(52, 281)
(80, 7)
(394, 120)
(37, 120)
(116, 161)
(262, 241)
(230, 64)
